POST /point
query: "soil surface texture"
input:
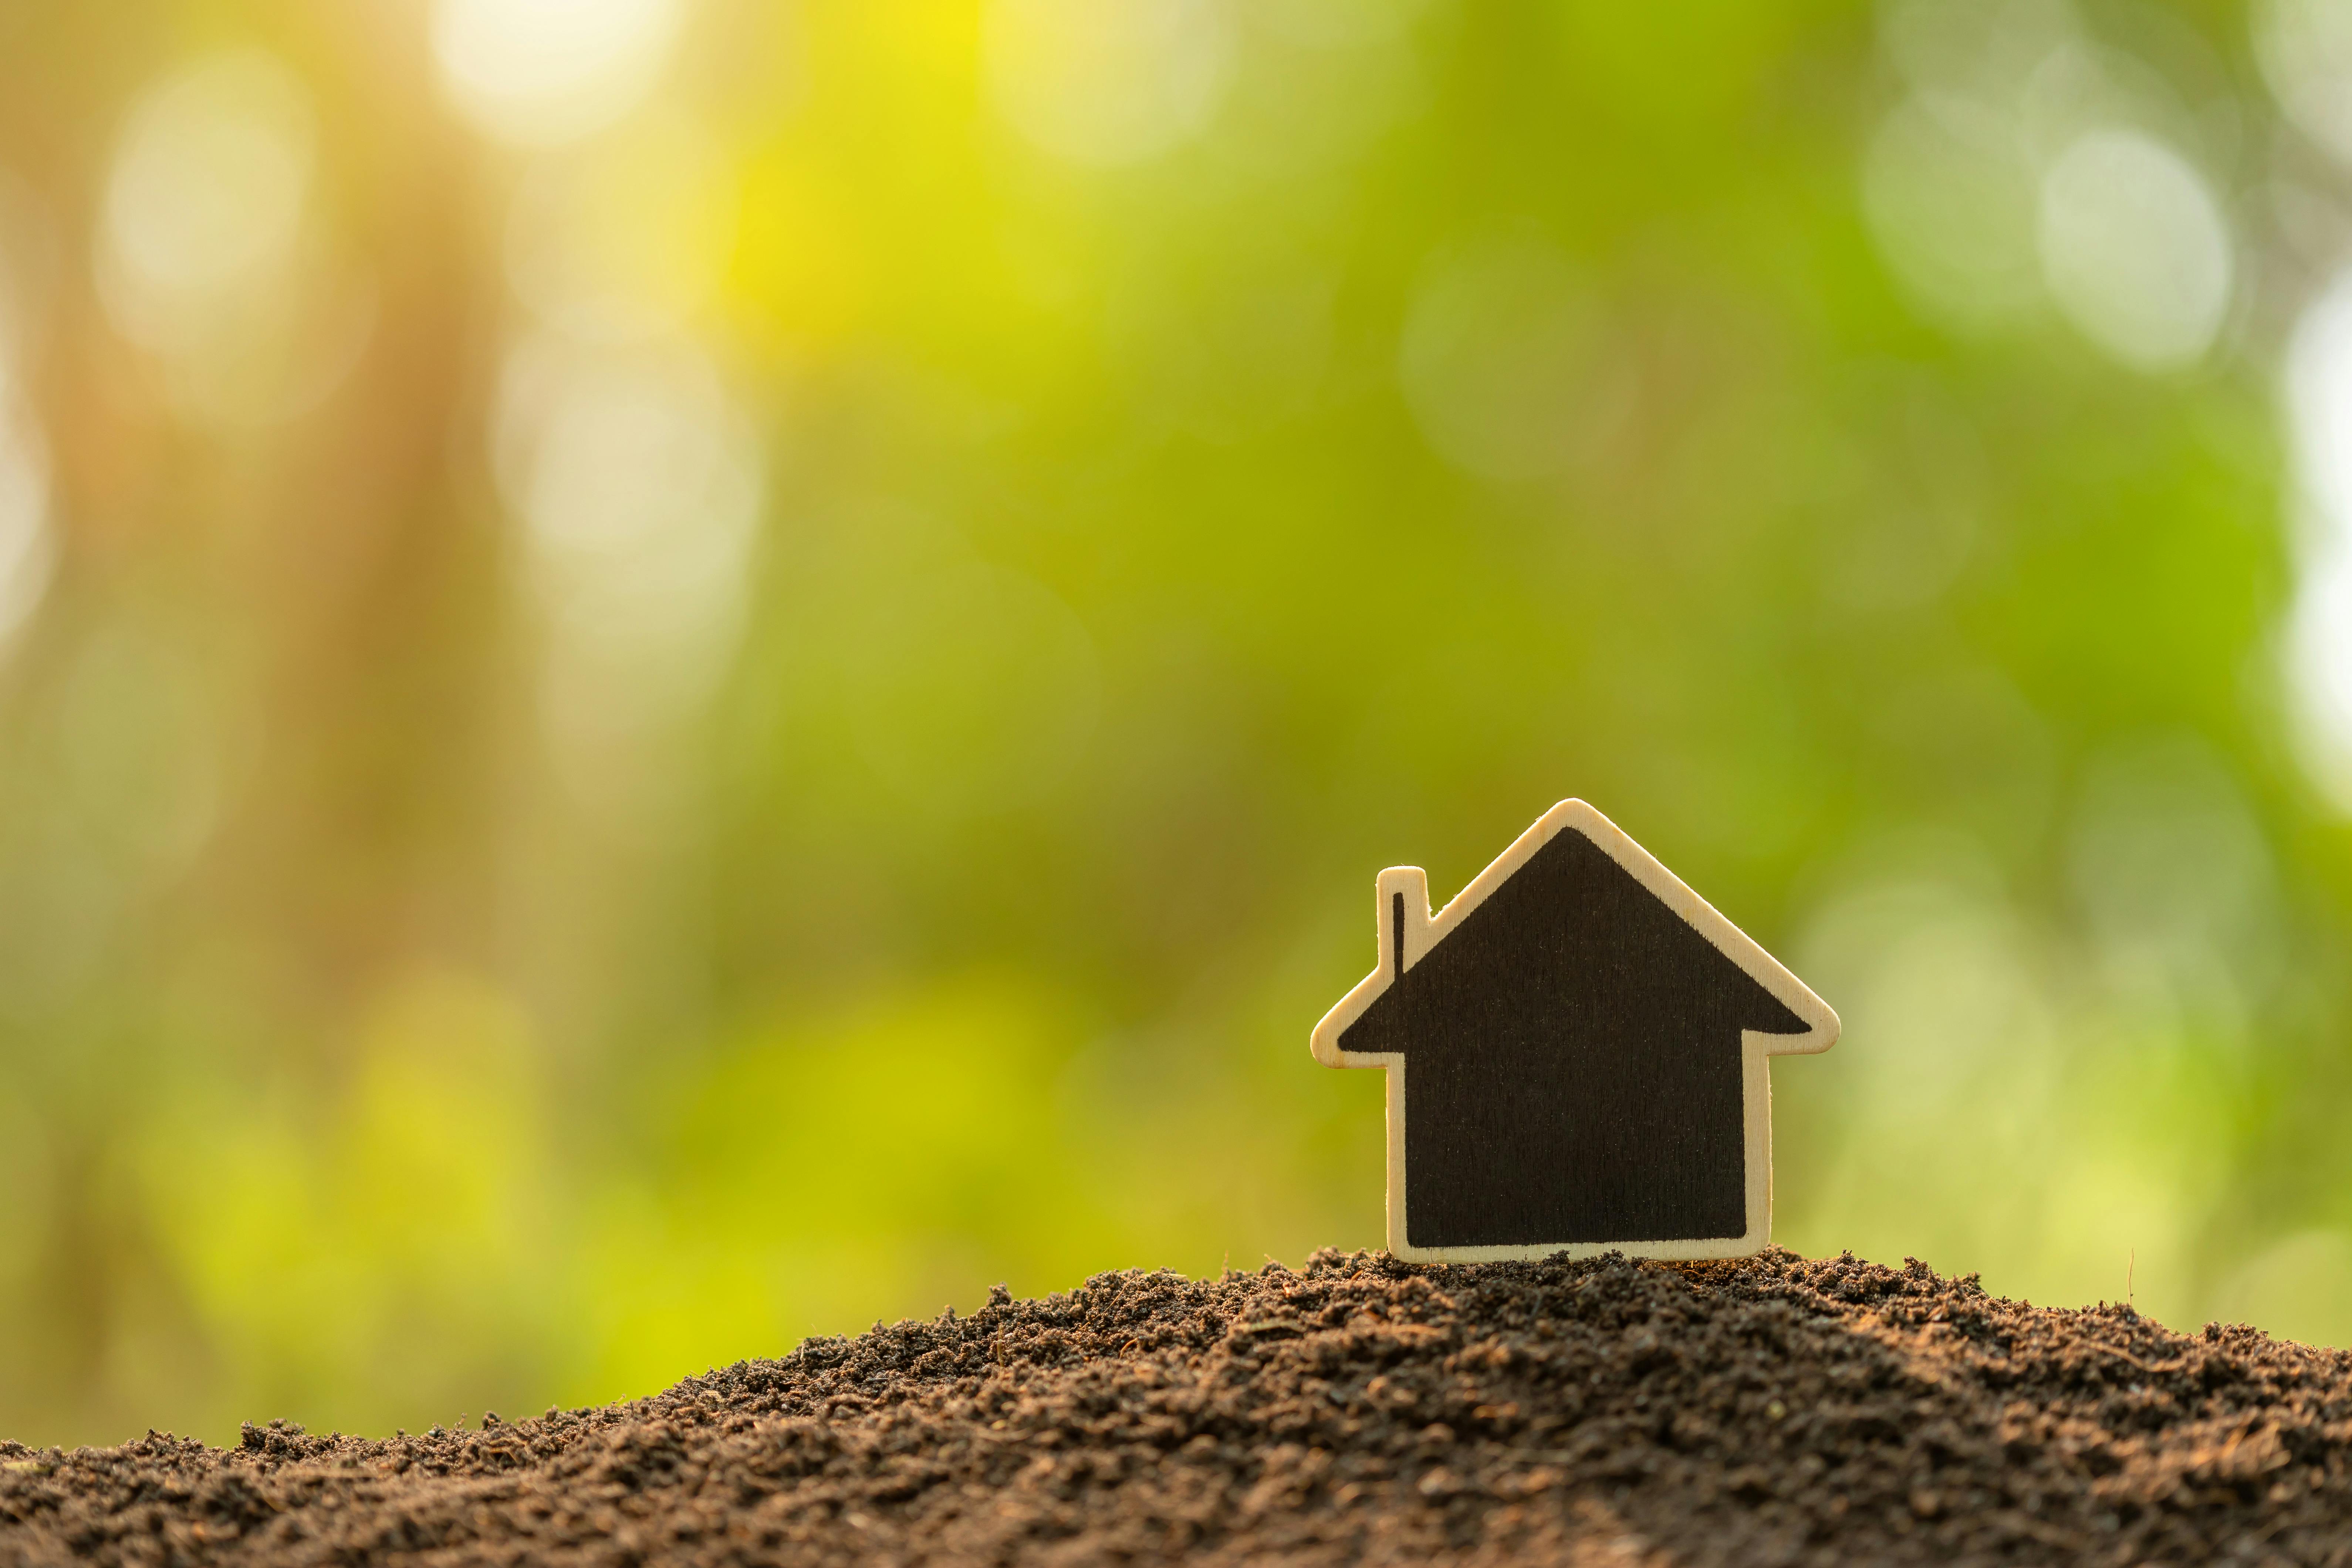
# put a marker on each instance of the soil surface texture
(1765, 1411)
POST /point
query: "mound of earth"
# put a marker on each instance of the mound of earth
(1769, 1410)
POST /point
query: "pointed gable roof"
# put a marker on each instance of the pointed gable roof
(1571, 893)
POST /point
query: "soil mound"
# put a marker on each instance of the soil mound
(1769, 1410)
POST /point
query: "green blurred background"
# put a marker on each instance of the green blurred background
(680, 675)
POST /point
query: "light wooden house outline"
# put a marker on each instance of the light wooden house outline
(1408, 930)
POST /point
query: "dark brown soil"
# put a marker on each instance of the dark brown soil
(1773, 1410)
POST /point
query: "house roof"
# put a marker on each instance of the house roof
(1575, 902)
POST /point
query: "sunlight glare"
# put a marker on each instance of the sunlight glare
(2318, 641)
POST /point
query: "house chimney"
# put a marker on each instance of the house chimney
(1404, 918)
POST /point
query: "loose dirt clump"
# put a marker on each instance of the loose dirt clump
(1766, 1411)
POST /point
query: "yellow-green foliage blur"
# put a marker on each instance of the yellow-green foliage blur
(681, 674)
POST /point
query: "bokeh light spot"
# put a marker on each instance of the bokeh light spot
(2306, 50)
(1950, 198)
(2319, 405)
(626, 236)
(2318, 641)
(2176, 879)
(1107, 84)
(2319, 647)
(27, 548)
(2134, 249)
(209, 254)
(638, 486)
(1496, 355)
(208, 187)
(542, 72)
